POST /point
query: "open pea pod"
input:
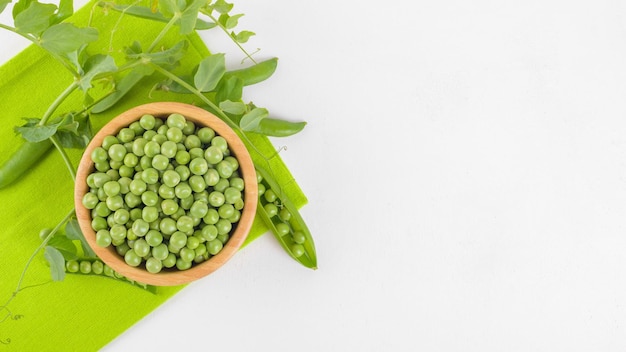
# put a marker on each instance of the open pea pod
(284, 221)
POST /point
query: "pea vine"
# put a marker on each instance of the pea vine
(103, 81)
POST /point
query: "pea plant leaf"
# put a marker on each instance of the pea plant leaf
(190, 16)
(73, 232)
(230, 88)
(3, 4)
(242, 37)
(222, 6)
(169, 7)
(65, 38)
(95, 65)
(78, 136)
(57, 263)
(35, 19)
(20, 6)
(66, 9)
(251, 120)
(256, 73)
(33, 132)
(233, 107)
(122, 87)
(64, 245)
(210, 72)
(170, 57)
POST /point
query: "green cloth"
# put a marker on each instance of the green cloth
(82, 313)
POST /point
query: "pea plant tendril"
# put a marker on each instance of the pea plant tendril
(217, 89)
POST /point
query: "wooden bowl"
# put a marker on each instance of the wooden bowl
(169, 277)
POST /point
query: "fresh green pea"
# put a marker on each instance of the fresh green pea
(297, 250)
(223, 226)
(282, 229)
(211, 217)
(90, 200)
(182, 265)
(205, 134)
(195, 153)
(121, 216)
(184, 224)
(109, 141)
(237, 183)
(167, 226)
(169, 206)
(103, 238)
(209, 232)
(131, 258)
(187, 254)
(154, 238)
(117, 152)
(213, 155)
(114, 203)
(174, 134)
(140, 227)
(231, 195)
(112, 188)
(189, 128)
(166, 192)
(171, 178)
(152, 148)
(169, 261)
(271, 209)
(141, 247)
(102, 209)
(211, 177)
(72, 266)
(198, 209)
(160, 251)
(197, 184)
(178, 239)
(182, 190)
(99, 155)
(85, 266)
(226, 211)
(115, 175)
(132, 200)
(147, 122)
(221, 185)
(160, 162)
(118, 232)
(298, 237)
(220, 142)
(169, 149)
(214, 246)
(150, 176)
(176, 120)
(97, 267)
(103, 166)
(126, 135)
(98, 223)
(183, 171)
(150, 214)
(139, 146)
(153, 265)
(198, 166)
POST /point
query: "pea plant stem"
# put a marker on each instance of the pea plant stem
(66, 158)
(43, 243)
(35, 41)
(55, 104)
(216, 21)
(165, 29)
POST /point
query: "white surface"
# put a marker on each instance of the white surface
(466, 171)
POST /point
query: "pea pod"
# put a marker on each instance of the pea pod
(290, 231)
(255, 73)
(22, 160)
(278, 128)
(78, 267)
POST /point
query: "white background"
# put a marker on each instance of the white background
(465, 164)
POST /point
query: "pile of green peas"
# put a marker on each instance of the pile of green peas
(165, 193)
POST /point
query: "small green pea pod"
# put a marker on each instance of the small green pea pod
(113, 275)
(22, 160)
(296, 224)
(278, 128)
(254, 74)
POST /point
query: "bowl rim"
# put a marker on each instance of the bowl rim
(237, 237)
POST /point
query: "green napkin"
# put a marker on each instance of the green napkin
(82, 313)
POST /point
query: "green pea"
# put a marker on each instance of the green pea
(201, 196)
(152, 148)
(198, 209)
(282, 229)
(214, 246)
(150, 176)
(174, 134)
(97, 267)
(178, 239)
(98, 223)
(182, 157)
(103, 238)
(162, 130)
(141, 247)
(117, 152)
(235, 217)
(131, 235)
(209, 232)
(118, 232)
(211, 217)
(114, 203)
(186, 203)
(131, 160)
(216, 199)
(192, 242)
(223, 237)
(160, 251)
(100, 178)
(169, 261)
(221, 185)
(121, 216)
(270, 196)
(140, 227)
(90, 200)
(131, 258)
(99, 155)
(72, 266)
(297, 250)
(115, 175)
(271, 209)
(153, 265)
(183, 171)
(171, 178)
(166, 192)
(237, 183)
(298, 237)
(102, 209)
(167, 226)
(184, 223)
(176, 120)
(195, 153)
(85, 267)
(223, 226)
(138, 147)
(182, 265)
(189, 128)
(206, 134)
(150, 214)
(109, 141)
(147, 122)
(187, 254)
(220, 142)
(182, 190)
(112, 188)
(231, 195)
(108, 271)
(126, 135)
(132, 200)
(169, 149)
(197, 184)
(192, 141)
(226, 211)
(154, 238)
(233, 162)
(211, 177)
(137, 187)
(198, 166)
(135, 213)
(284, 214)
(103, 166)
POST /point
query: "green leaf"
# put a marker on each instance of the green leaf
(64, 38)
(233, 107)
(3, 4)
(35, 19)
(66, 9)
(64, 245)
(210, 72)
(96, 65)
(79, 138)
(169, 56)
(250, 121)
(230, 88)
(20, 6)
(168, 7)
(242, 37)
(232, 21)
(33, 132)
(278, 128)
(57, 263)
(190, 16)
(222, 6)
(73, 232)
(125, 84)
